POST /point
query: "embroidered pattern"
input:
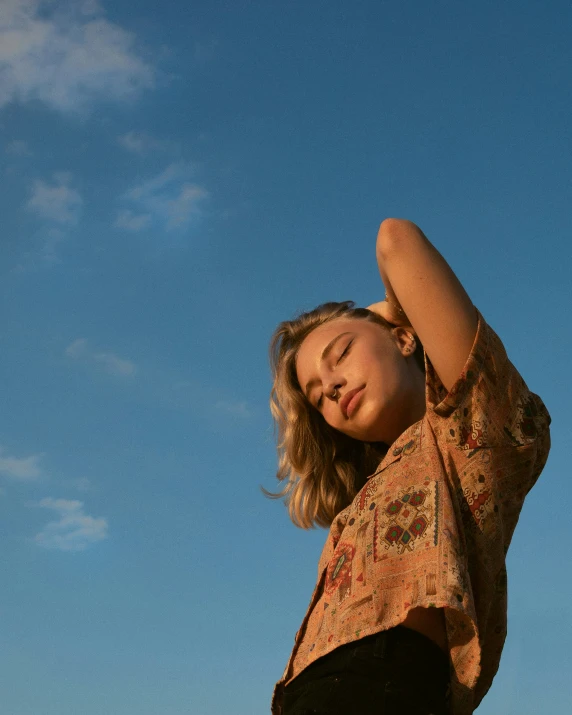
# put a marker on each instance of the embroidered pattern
(472, 436)
(339, 574)
(481, 504)
(407, 521)
(364, 497)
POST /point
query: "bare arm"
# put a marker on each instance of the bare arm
(419, 280)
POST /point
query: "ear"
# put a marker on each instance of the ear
(405, 339)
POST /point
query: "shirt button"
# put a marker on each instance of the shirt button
(397, 451)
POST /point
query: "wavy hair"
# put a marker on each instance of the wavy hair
(324, 469)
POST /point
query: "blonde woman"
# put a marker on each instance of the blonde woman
(407, 431)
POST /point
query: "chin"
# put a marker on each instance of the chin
(365, 435)
(366, 425)
(370, 429)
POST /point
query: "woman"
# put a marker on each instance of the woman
(406, 429)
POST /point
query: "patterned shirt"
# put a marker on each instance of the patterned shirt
(432, 526)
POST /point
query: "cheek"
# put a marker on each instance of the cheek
(374, 373)
(372, 360)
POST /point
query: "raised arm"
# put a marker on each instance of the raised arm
(436, 305)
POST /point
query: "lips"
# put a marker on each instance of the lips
(346, 399)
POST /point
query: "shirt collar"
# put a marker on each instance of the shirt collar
(407, 443)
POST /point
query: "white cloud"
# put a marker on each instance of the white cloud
(141, 143)
(18, 147)
(185, 203)
(66, 54)
(77, 348)
(73, 530)
(168, 197)
(134, 141)
(152, 186)
(22, 469)
(112, 363)
(115, 365)
(132, 222)
(55, 201)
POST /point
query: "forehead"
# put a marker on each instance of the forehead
(316, 341)
(330, 329)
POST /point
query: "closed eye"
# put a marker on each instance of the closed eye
(321, 400)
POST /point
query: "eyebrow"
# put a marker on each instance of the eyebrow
(325, 353)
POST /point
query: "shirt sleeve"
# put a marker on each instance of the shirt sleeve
(494, 438)
(489, 405)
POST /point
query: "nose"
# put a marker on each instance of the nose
(331, 390)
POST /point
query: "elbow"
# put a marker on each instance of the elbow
(391, 232)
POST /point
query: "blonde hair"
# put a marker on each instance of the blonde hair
(324, 468)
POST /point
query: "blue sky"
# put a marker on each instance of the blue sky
(178, 178)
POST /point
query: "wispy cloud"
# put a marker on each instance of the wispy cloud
(18, 147)
(142, 143)
(52, 238)
(56, 200)
(132, 222)
(66, 54)
(114, 364)
(167, 197)
(79, 350)
(73, 530)
(23, 469)
(237, 409)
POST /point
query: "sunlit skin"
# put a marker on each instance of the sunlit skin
(394, 385)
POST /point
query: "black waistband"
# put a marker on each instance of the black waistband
(394, 637)
(393, 645)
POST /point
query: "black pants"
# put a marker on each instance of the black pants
(399, 671)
